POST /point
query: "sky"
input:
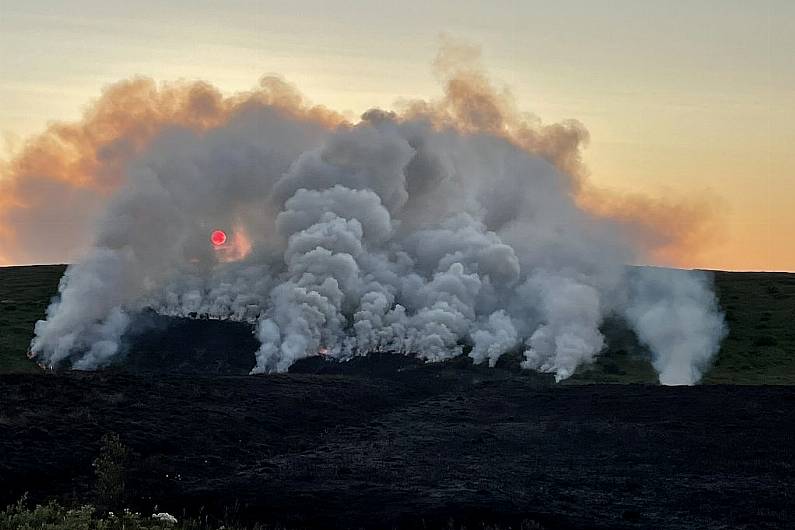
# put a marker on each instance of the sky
(690, 100)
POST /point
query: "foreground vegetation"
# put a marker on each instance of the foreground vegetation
(110, 494)
(759, 307)
(54, 516)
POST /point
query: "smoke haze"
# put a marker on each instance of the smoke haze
(455, 225)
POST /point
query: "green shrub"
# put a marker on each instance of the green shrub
(110, 470)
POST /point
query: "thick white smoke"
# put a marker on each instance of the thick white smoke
(675, 314)
(396, 233)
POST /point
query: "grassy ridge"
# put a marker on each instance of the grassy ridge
(760, 312)
(25, 293)
(760, 348)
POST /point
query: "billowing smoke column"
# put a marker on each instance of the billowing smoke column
(451, 227)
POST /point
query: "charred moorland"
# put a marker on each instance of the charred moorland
(415, 449)
(387, 441)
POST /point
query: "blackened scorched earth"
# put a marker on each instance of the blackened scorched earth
(411, 446)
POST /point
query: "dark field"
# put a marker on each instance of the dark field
(388, 442)
(412, 450)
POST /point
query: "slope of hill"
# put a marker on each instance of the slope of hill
(760, 348)
(409, 450)
(25, 293)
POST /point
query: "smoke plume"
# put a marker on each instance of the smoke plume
(455, 226)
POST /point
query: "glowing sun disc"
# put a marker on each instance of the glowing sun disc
(218, 237)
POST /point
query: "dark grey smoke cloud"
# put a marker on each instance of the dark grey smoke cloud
(387, 235)
(419, 233)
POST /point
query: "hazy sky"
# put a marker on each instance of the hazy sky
(681, 98)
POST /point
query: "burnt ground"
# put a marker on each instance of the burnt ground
(387, 442)
(410, 447)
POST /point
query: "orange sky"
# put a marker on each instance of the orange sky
(692, 103)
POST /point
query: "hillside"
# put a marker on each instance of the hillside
(25, 293)
(409, 451)
(385, 441)
(760, 348)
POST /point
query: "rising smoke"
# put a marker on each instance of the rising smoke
(456, 225)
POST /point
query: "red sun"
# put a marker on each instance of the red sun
(218, 237)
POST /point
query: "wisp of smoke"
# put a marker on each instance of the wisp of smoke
(454, 226)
